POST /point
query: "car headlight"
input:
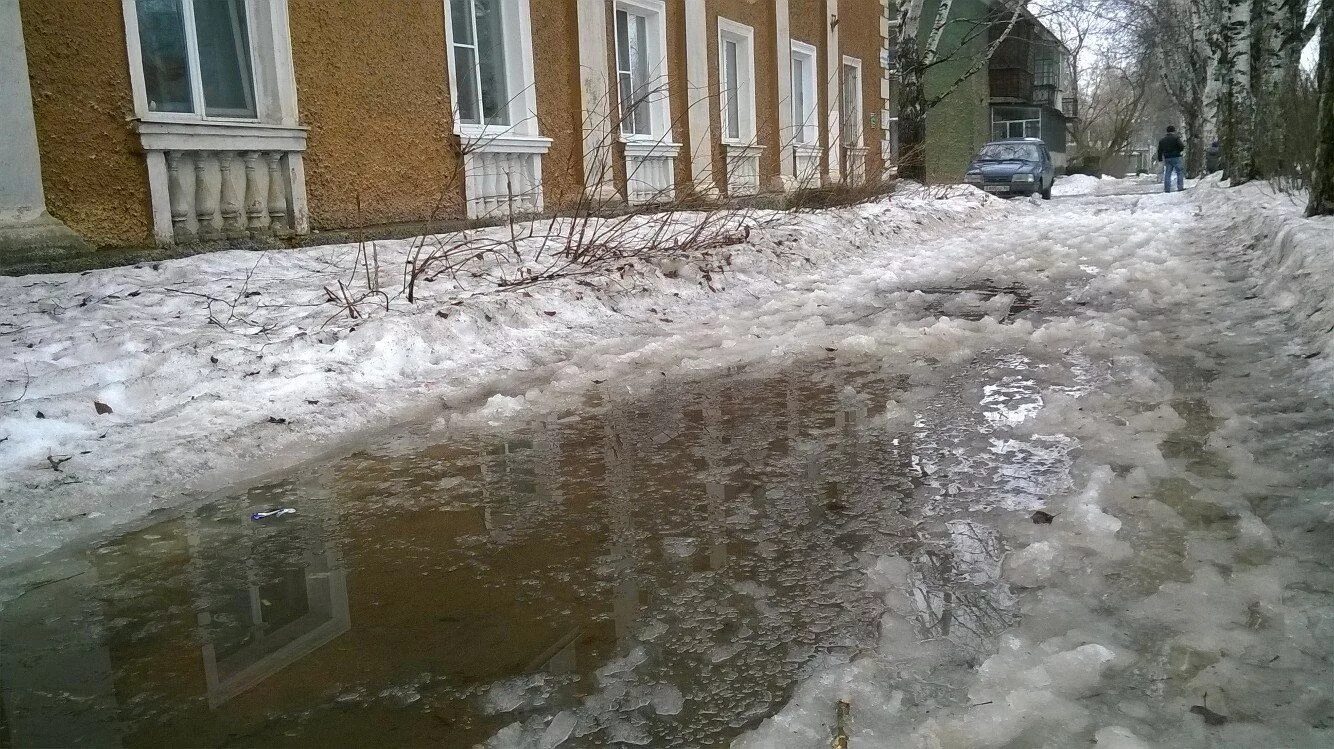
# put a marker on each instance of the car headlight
(1022, 178)
(972, 177)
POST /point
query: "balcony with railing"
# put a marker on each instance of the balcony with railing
(1011, 83)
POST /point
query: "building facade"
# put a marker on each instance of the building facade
(181, 122)
(1021, 90)
(1031, 96)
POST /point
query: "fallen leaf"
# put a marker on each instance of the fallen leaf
(41, 415)
(277, 420)
(549, 313)
(1043, 518)
(1210, 717)
(101, 408)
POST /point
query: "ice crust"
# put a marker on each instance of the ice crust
(1181, 568)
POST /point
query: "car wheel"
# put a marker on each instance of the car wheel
(1046, 191)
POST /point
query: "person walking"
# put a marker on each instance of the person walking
(1170, 149)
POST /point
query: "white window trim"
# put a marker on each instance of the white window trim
(809, 122)
(521, 135)
(271, 69)
(744, 37)
(853, 62)
(659, 102)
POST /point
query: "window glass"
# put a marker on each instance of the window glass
(852, 106)
(1009, 152)
(465, 73)
(731, 89)
(799, 96)
(491, 62)
(224, 58)
(166, 59)
(632, 68)
(460, 15)
(639, 52)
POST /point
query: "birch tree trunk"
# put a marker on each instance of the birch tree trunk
(1322, 175)
(912, 97)
(912, 113)
(1241, 103)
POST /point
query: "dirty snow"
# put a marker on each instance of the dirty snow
(1170, 393)
(223, 367)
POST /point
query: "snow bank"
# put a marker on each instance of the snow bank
(1290, 255)
(1075, 184)
(223, 367)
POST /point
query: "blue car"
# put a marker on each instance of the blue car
(1015, 166)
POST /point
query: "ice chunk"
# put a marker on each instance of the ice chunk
(558, 730)
(667, 700)
(1116, 737)
(1031, 566)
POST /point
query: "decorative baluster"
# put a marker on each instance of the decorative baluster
(230, 205)
(494, 189)
(205, 206)
(277, 195)
(179, 199)
(255, 197)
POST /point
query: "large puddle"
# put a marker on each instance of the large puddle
(649, 571)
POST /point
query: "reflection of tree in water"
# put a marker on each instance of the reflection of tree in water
(759, 492)
(957, 590)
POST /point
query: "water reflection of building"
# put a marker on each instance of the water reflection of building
(277, 613)
(256, 598)
(57, 682)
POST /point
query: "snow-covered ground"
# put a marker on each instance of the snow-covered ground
(1180, 595)
(223, 367)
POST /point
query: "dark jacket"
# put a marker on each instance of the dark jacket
(1170, 147)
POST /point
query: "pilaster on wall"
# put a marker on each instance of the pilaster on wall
(834, 95)
(24, 222)
(595, 96)
(888, 37)
(787, 134)
(699, 123)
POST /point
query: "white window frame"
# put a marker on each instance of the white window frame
(660, 122)
(744, 38)
(806, 125)
(856, 64)
(273, 83)
(520, 80)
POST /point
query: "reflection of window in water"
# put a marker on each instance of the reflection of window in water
(266, 601)
(257, 611)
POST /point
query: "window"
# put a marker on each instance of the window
(1044, 72)
(632, 72)
(480, 75)
(1016, 122)
(736, 70)
(805, 122)
(641, 69)
(851, 114)
(196, 57)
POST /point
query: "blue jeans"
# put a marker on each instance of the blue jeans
(1172, 164)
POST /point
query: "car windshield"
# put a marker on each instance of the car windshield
(1009, 152)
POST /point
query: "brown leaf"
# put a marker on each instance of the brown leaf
(1043, 518)
(101, 408)
(1210, 717)
(549, 313)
